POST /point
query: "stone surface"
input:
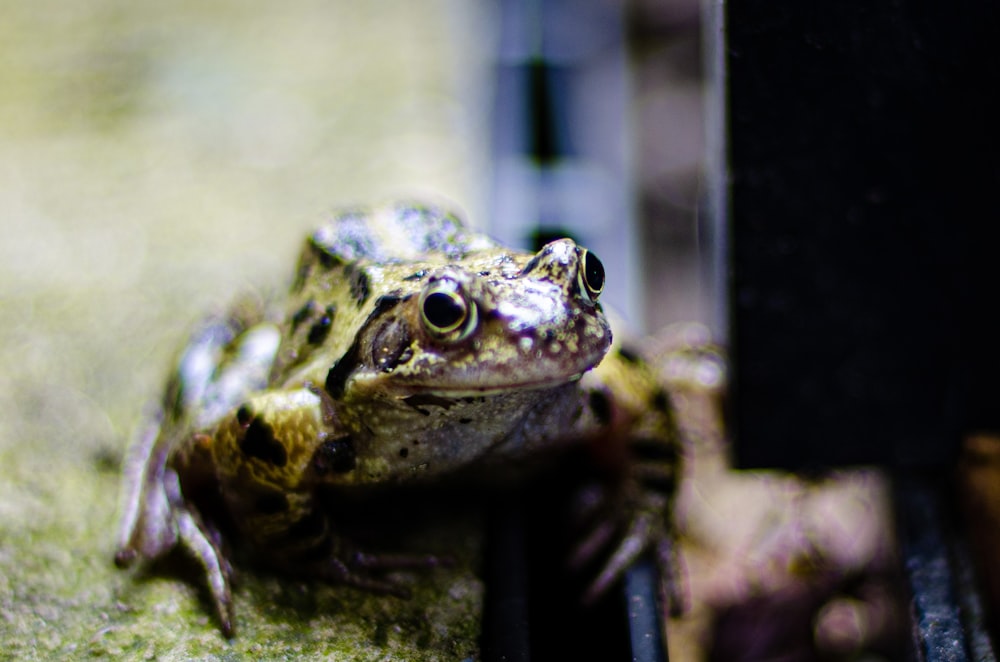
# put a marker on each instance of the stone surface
(157, 160)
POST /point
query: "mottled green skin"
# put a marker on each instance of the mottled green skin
(355, 326)
(410, 348)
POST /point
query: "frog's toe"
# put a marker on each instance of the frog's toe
(621, 531)
(125, 557)
(588, 548)
(357, 568)
(630, 547)
(645, 535)
(197, 542)
(342, 573)
(401, 561)
(671, 577)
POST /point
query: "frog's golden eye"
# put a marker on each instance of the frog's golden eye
(446, 312)
(590, 275)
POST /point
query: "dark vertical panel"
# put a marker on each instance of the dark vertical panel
(863, 157)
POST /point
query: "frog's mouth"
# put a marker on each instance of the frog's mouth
(486, 390)
(446, 399)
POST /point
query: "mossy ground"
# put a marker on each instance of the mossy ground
(158, 160)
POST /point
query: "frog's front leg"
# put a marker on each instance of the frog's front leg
(331, 557)
(628, 521)
(282, 457)
(226, 358)
(158, 519)
(202, 541)
(630, 513)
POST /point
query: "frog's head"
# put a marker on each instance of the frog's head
(528, 322)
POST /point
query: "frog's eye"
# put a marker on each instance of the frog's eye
(590, 275)
(446, 312)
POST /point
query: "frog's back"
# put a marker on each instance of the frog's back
(398, 232)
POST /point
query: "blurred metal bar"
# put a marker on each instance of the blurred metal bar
(561, 164)
(945, 601)
(716, 196)
(505, 616)
(645, 619)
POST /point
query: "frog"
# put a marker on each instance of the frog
(409, 349)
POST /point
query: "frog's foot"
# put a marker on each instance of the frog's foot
(347, 565)
(189, 535)
(160, 522)
(197, 541)
(625, 525)
(358, 569)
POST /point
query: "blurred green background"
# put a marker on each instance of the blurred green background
(157, 158)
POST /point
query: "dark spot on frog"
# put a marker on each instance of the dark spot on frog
(404, 452)
(360, 285)
(629, 355)
(173, 398)
(391, 345)
(423, 399)
(336, 455)
(472, 399)
(484, 274)
(601, 406)
(532, 263)
(321, 328)
(465, 421)
(244, 415)
(271, 503)
(417, 275)
(301, 275)
(259, 441)
(660, 401)
(537, 260)
(336, 378)
(302, 314)
(323, 254)
(107, 460)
